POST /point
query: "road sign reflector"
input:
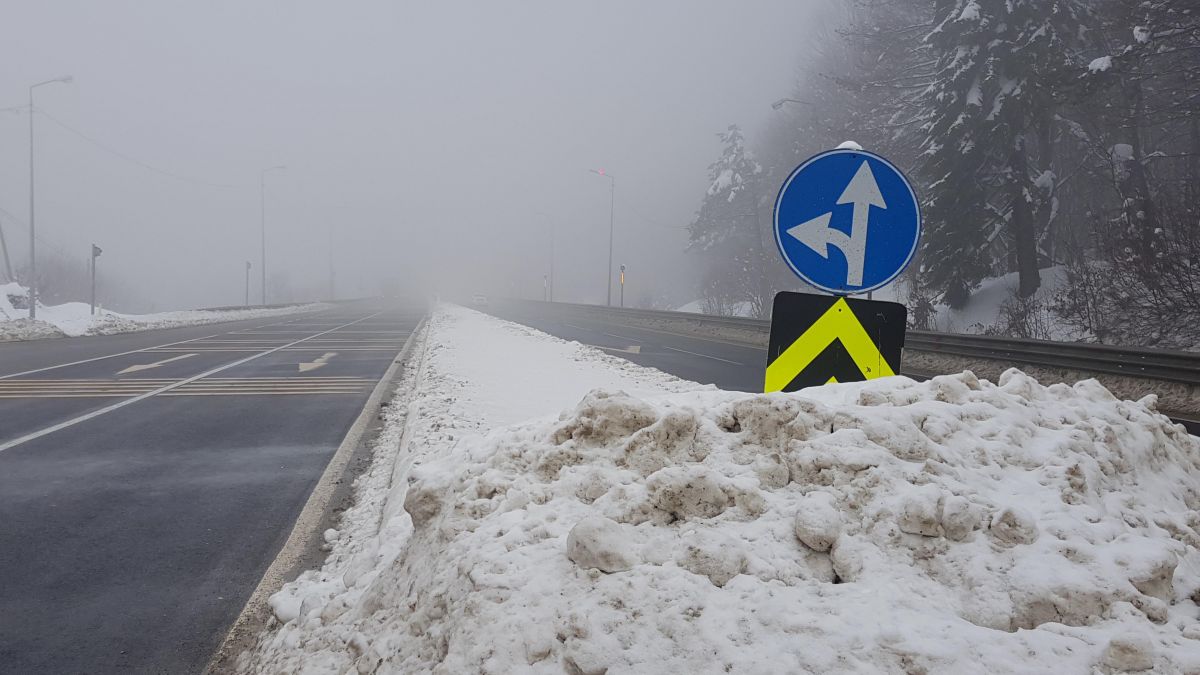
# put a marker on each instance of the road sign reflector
(818, 339)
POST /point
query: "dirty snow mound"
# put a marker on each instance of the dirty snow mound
(951, 526)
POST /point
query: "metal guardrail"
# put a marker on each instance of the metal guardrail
(1140, 362)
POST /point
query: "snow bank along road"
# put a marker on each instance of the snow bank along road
(147, 480)
(539, 507)
(709, 360)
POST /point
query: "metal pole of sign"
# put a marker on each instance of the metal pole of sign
(95, 254)
(247, 283)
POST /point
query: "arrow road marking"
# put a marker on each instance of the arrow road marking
(863, 193)
(148, 366)
(636, 349)
(318, 362)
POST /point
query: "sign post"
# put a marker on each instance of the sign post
(846, 222)
(622, 285)
(95, 254)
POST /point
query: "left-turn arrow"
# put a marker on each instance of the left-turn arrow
(148, 366)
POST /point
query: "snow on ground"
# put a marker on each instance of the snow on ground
(983, 310)
(949, 526)
(73, 319)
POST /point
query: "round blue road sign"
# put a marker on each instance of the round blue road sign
(847, 221)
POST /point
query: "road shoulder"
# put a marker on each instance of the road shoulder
(305, 548)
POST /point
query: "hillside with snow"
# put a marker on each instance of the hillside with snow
(562, 510)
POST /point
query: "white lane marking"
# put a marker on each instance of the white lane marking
(636, 349)
(707, 356)
(318, 362)
(174, 385)
(133, 351)
(108, 356)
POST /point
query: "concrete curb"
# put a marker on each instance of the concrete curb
(302, 551)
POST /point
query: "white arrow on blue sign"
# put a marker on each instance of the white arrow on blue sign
(847, 222)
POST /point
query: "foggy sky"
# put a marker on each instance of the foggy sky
(435, 143)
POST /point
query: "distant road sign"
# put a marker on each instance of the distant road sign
(818, 339)
(847, 221)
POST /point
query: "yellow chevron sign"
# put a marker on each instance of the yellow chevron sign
(819, 340)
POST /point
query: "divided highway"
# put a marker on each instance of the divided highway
(147, 480)
(708, 360)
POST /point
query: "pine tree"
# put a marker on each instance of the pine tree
(999, 62)
(726, 229)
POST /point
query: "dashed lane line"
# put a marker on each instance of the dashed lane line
(175, 385)
(706, 356)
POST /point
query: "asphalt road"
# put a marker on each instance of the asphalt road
(147, 480)
(729, 365)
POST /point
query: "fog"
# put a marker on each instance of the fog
(428, 146)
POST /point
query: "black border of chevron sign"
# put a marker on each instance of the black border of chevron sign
(816, 339)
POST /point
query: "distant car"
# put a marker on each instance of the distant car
(479, 300)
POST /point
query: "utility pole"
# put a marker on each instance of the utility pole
(331, 273)
(32, 229)
(612, 209)
(7, 263)
(95, 254)
(262, 200)
(247, 283)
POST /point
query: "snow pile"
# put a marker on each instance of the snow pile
(952, 526)
(73, 319)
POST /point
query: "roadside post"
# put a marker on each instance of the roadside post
(847, 222)
(247, 283)
(622, 285)
(95, 254)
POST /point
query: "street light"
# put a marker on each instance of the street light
(262, 195)
(780, 103)
(66, 79)
(611, 217)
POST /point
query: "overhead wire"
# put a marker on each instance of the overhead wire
(133, 160)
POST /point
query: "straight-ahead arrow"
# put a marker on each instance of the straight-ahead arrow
(148, 366)
(317, 363)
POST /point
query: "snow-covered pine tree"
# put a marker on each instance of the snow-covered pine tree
(726, 229)
(999, 62)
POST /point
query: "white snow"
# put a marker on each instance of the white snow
(983, 310)
(949, 526)
(73, 319)
(1100, 65)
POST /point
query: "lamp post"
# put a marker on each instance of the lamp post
(32, 229)
(611, 217)
(783, 101)
(262, 194)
